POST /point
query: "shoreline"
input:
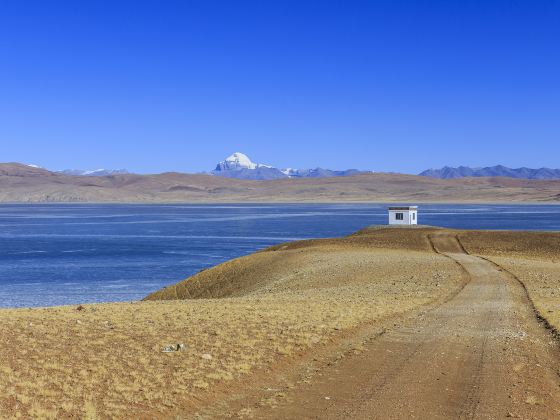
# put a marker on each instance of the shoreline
(369, 228)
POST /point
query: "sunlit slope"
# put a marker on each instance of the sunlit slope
(324, 263)
(312, 264)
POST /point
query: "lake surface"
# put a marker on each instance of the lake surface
(68, 254)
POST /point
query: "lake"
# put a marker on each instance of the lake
(68, 254)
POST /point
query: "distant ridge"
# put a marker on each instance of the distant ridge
(239, 166)
(28, 184)
(448, 172)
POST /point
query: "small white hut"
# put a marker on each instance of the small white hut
(405, 215)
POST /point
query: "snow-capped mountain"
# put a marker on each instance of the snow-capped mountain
(238, 161)
(239, 166)
(96, 172)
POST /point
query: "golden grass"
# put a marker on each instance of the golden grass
(312, 264)
(106, 360)
(537, 245)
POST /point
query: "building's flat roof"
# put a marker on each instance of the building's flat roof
(404, 208)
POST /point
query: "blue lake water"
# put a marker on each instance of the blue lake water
(67, 254)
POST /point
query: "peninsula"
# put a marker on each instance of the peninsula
(447, 323)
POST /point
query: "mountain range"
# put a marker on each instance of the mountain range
(24, 183)
(239, 166)
(448, 172)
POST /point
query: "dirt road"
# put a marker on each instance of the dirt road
(481, 354)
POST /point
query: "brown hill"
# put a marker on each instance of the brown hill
(296, 266)
(21, 183)
(325, 263)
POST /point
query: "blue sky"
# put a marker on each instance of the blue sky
(178, 85)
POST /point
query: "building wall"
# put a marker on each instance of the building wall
(407, 217)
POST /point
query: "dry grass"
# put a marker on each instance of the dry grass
(106, 360)
(538, 245)
(311, 264)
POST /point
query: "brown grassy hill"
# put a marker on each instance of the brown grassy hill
(301, 265)
(21, 183)
(324, 263)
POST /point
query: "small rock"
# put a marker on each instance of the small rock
(80, 308)
(206, 356)
(78, 321)
(174, 347)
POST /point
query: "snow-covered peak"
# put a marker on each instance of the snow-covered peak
(240, 160)
(240, 166)
(237, 161)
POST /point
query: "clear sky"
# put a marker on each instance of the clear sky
(178, 85)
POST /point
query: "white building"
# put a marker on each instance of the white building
(406, 215)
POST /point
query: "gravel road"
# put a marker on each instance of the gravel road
(480, 355)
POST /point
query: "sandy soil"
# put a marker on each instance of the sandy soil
(385, 323)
